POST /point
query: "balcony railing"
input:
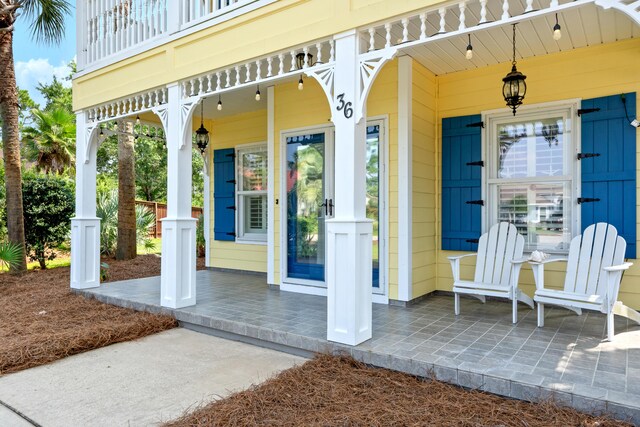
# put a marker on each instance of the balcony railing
(110, 28)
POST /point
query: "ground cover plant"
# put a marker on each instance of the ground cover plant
(339, 391)
(42, 320)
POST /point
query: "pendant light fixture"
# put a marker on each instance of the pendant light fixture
(514, 87)
(219, 103)
(469, 53)
(557, 34)
(258, 94)
(202, 134)
(300, 62)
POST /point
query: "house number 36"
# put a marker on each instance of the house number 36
(346, 106)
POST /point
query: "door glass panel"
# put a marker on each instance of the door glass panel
(373, 196)
(305, 213)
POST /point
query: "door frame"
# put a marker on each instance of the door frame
(379, 295)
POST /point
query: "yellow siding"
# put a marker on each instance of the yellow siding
(269, 29)
(229, 132)
(424, 180)
(583, 73)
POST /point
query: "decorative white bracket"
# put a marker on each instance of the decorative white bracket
(90, 129)
(370, 65)
(186, 112)
(631, 9)
(324, 76)
(162, 112)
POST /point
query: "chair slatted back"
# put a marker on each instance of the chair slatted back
(496, 249)
(598, 247)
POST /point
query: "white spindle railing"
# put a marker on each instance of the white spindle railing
(110, 27)
(457, 17)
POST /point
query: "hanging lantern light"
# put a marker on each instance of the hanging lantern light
(202, 134)
(514, 87)
(469, 54)
(557, 34)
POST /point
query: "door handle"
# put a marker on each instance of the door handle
(326, 206)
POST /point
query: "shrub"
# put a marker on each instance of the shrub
(107, 211)
(48, 208)
(200, 241)
(10, 255)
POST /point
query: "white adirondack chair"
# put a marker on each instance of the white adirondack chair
(497, 268)
(594, 271)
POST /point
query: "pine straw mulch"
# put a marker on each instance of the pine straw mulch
(339, 391)
(41, 320)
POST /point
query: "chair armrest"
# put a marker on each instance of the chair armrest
(624, 266)
(519, 260)
(547, 261)
(453, 258)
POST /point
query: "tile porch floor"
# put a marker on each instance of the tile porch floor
(567, 359)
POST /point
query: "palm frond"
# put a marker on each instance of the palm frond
(47, 19)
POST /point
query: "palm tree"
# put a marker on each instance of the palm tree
(47, 23)
(50, 141)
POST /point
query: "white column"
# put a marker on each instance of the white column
(85, 226)
(349, 232)
(178, 268)
(206, 209)
(271, 229)
(81, 34)
(405, 179)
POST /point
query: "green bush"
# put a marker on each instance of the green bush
(48, 208)
(107, 211)
(200, 241)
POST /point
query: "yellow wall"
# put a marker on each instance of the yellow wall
(583, 73)
(229, 132)
(424, 180)
(266, 30)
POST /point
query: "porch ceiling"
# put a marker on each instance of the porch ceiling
(241, 100)
(583, 26)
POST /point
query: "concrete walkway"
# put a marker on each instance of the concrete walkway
(137, 383)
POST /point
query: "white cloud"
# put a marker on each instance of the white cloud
(35, 71)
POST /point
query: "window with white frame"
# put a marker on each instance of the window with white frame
(530, 179)
(251, 179)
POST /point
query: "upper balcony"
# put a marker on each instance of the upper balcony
(111, 30)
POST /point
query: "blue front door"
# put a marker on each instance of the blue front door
(306, 207)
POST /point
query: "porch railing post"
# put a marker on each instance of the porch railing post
(85, 226)
(178, 266)
(349, 233)
(174, 18)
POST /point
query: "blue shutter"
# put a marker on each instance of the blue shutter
(611, 177)
(461, 183)
(224, 187)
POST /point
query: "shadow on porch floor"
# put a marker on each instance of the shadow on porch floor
(567, 359)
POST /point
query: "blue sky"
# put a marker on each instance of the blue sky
(37, 63)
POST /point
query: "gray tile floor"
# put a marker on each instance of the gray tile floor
(567, 359)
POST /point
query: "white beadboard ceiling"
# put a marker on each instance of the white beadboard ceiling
(583, 26)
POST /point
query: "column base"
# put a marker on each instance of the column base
(349, 317)
(178, 268)
(85, 253)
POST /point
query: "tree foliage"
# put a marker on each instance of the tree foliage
(107, 211)
(50, 142)
(48, 208)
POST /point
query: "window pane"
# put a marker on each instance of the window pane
(532, 148)
(255, 214)
(540, 212)
(254, 171)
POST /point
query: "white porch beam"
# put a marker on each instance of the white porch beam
(178, 267)
(85, 226)
(405, 179)
(349, 233)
